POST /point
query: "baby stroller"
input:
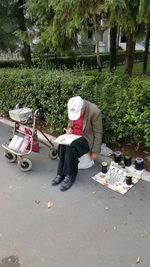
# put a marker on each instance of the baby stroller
(25, 139)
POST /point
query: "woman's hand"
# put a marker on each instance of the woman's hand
(69, 130)
(94, 156)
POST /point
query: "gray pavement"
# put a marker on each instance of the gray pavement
(88, 225)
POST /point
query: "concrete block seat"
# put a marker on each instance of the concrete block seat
(85, 162)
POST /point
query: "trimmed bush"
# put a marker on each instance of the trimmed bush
(87, 61)
(71, 62)
(123, 101)
(11, 63)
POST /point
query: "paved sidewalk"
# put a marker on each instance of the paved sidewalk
(88, 226)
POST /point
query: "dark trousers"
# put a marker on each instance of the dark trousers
(68, 156)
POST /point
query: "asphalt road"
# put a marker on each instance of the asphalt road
(88, 225)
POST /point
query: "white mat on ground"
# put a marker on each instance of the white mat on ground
(115, 178)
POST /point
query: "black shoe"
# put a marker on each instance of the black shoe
(58, 179)
(67, 183)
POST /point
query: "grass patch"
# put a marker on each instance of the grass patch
(137, 69)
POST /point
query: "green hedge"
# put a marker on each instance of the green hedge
(71, 62)
(11, 63)
(124, 101)
(88, 61)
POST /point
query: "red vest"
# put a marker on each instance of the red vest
(78, 126)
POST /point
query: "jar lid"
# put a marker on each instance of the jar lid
(139, 160)
(104, 164)
(127, 156)
(128, 174)
(121, 164)
(118, 153)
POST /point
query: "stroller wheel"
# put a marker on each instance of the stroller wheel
(10, 156)
(24, 164)
(53, 153)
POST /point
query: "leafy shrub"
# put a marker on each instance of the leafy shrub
(88, 61)
(123, 101)
(11, 63)
(70, 62)
(137, 116)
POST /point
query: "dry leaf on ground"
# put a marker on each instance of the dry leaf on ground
(138, 260)
(146, 152)
(50, 205)
(37, 201)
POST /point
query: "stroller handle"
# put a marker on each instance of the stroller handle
(39, 113)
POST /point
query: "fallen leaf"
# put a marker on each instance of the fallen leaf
(50, 205)
(146, 152)
(145, 232)
(138, 260)
(37, 201)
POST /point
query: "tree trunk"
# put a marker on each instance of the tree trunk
(113, 49)
(130, 48)
(97, 48)
(26, 51)
(146, 48)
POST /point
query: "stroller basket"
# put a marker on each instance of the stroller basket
(21, 114)
(26, 140)
(5, 146)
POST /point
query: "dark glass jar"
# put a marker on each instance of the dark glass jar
(128, 179)
(117, 156)
(104, 167)
(139, 163)
(127, 160)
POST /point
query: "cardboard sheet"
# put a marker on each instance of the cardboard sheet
(115, 178)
